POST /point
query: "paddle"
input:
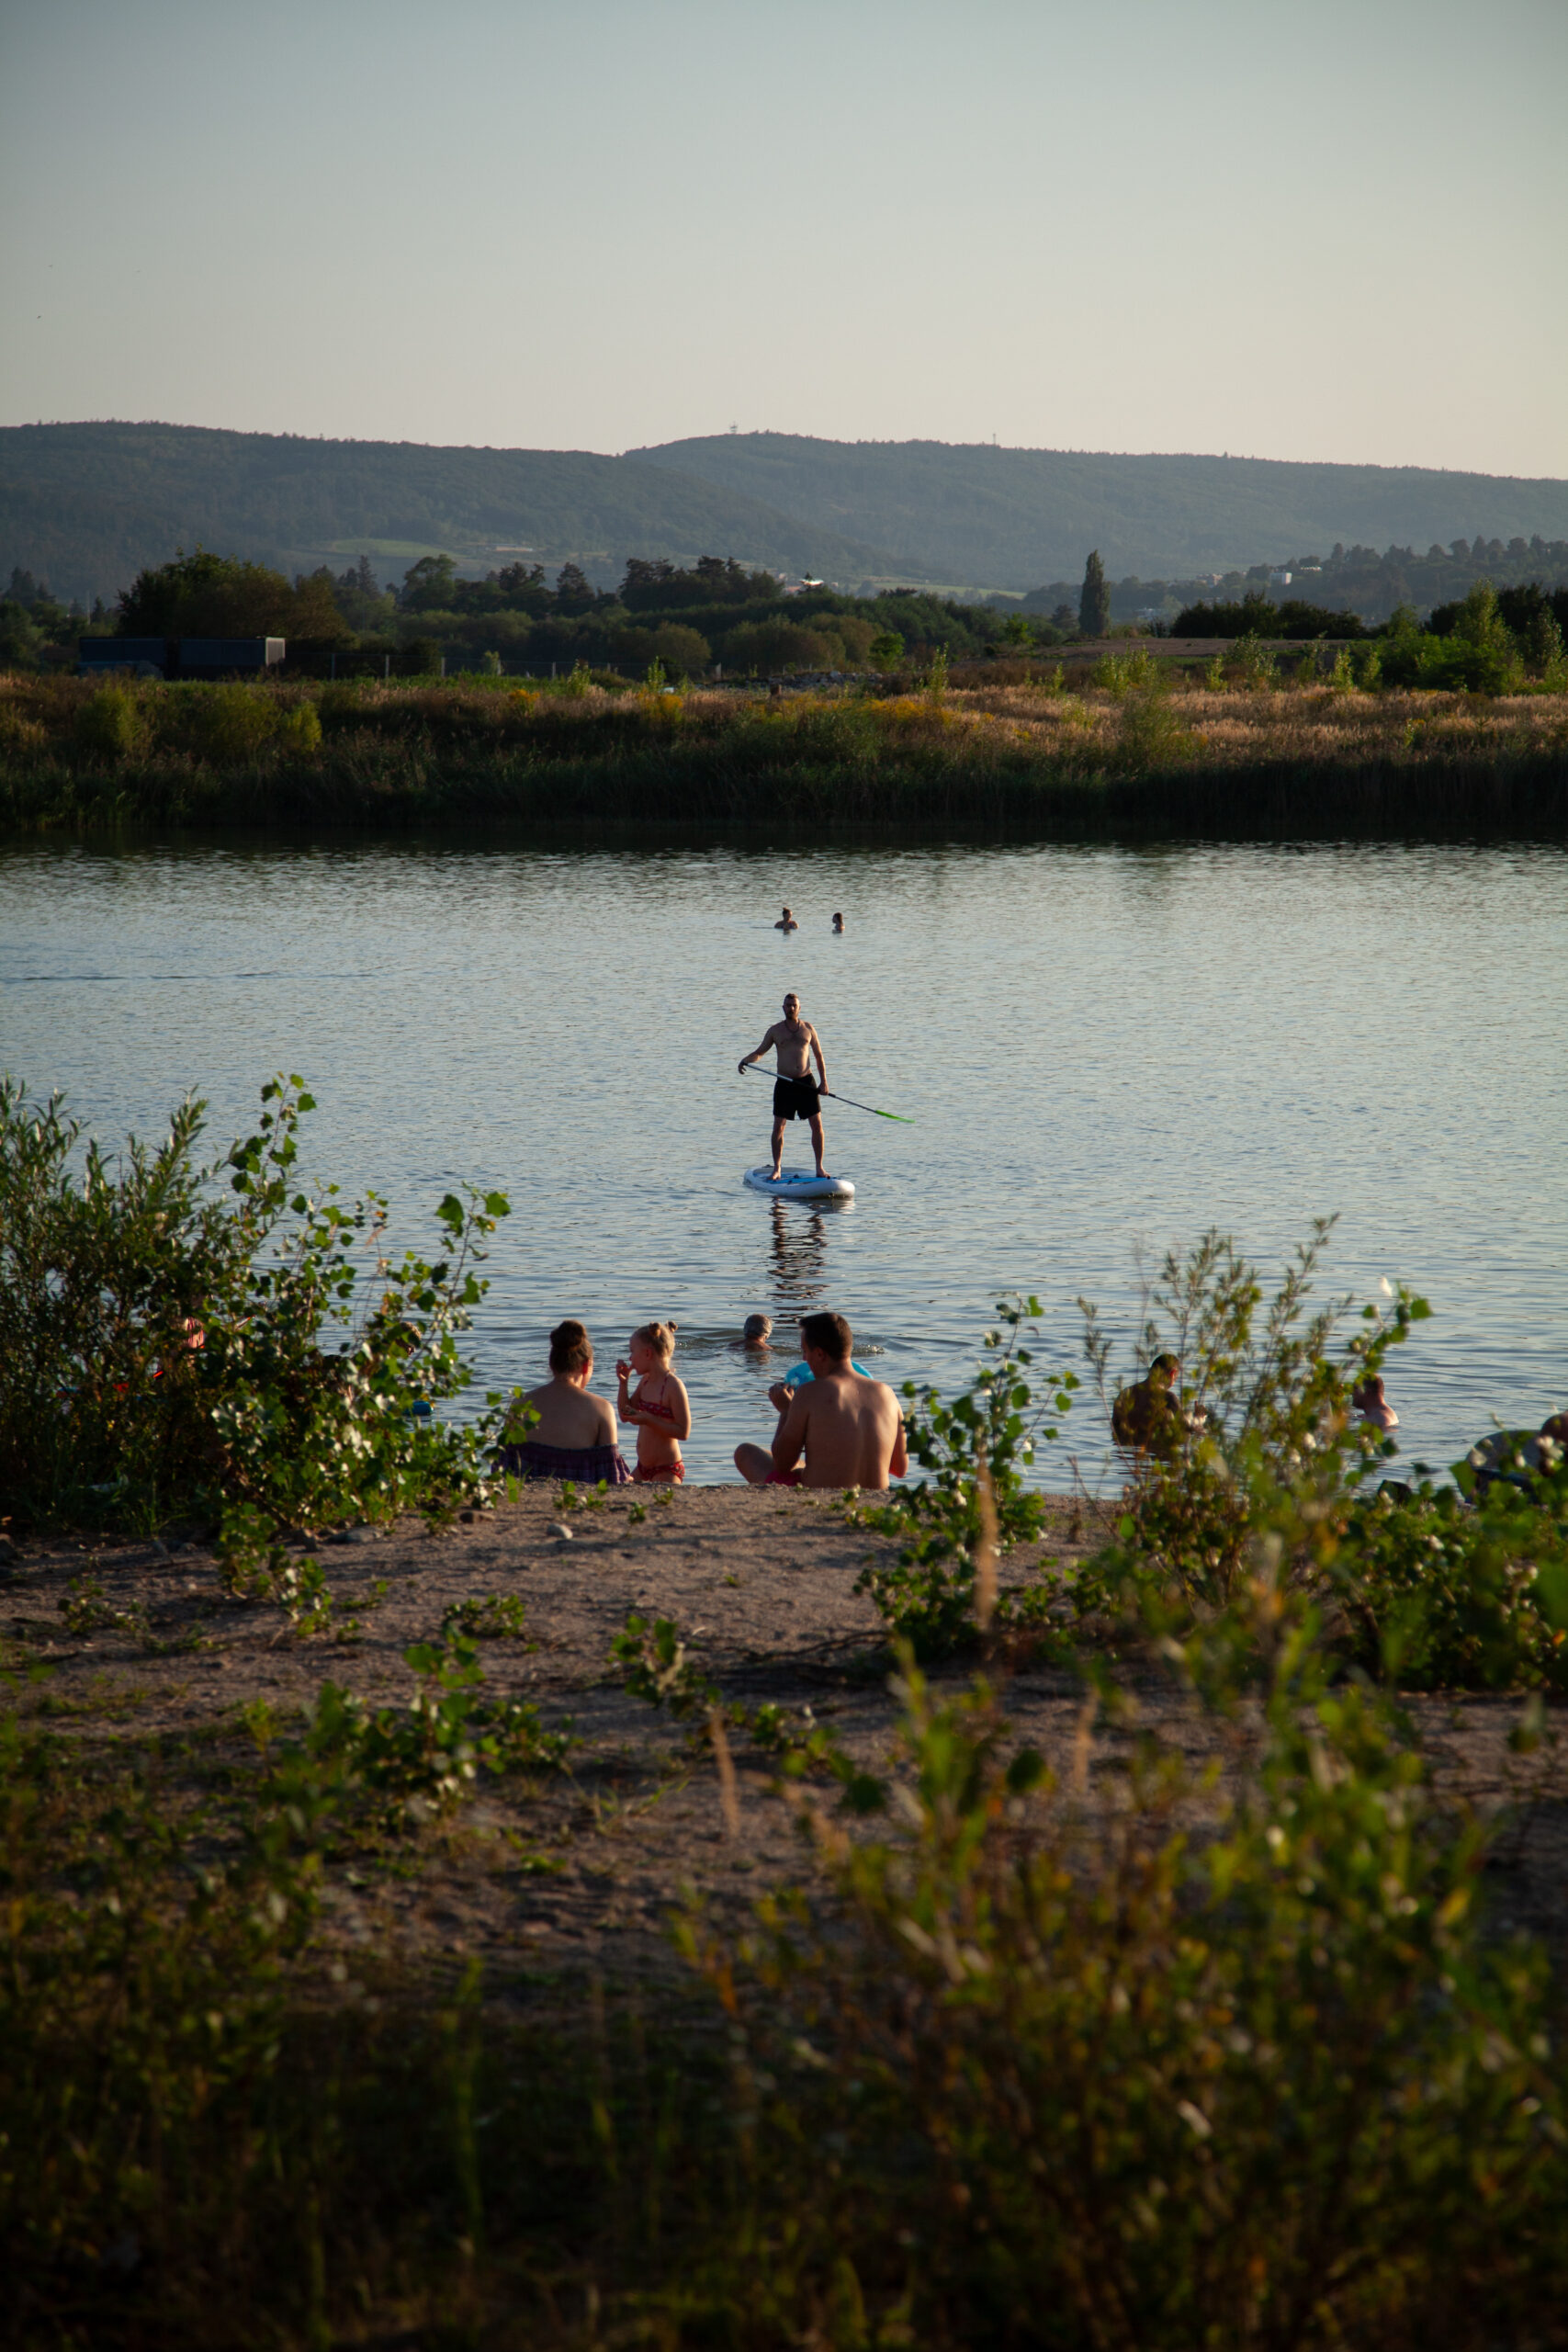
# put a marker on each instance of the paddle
(896, 1115)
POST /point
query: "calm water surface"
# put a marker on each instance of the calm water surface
(1104, 1050)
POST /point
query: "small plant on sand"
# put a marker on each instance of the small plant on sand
(974, 1501)
(499, 1617)
(656, 1666)
(426, 1757)
(85, 1609)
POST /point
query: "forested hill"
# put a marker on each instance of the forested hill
(1010, 518)
(85, 506)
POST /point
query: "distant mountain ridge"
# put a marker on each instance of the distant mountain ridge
(1013, 518)
(87, 505)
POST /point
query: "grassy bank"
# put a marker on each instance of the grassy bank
(1135, 751)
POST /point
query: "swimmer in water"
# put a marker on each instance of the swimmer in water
(787, 922)
(838, 922)
(756, 1332)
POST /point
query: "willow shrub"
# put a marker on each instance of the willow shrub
(1264, 1467)
(179, 1338)
(1036, 2069)
(974, 1452)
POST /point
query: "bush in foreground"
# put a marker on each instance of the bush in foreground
(168, 1348)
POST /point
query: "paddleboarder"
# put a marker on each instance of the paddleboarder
(797, 1094)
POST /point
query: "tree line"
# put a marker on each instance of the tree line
(716, 613)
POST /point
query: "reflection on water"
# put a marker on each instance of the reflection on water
(800, 1255)
(1357, 1029)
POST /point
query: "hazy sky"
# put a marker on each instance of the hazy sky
(1332, 232)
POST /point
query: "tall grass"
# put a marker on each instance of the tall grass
(1129, 748)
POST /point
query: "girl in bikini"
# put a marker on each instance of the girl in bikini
(657, 1408)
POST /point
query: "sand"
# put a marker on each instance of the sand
(583, 1868)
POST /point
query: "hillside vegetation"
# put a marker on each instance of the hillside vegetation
(87, 505)
(1015, 517)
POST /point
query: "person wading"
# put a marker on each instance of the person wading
(797, 1094)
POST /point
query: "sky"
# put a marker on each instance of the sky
(1336, 234)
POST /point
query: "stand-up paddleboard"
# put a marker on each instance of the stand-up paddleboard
(800, 1184)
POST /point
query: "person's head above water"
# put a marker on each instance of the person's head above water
(838, 922)
(756, 1330)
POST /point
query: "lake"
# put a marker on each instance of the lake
(1105, 1050)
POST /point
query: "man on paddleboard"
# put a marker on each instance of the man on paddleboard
(797, 1094)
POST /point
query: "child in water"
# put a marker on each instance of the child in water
(657, 1408)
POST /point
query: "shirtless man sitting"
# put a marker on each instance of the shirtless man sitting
(849, 1429)
(797, 1094)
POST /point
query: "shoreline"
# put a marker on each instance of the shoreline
(997, 760)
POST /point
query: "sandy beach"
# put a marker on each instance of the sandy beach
(558, 1872)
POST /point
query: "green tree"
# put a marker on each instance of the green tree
(207, 595)
(1094, 601)
(574, 591)
(218, 595)
(428, 584)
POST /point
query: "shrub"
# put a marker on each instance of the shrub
(300, 729)
(222, 723)
(109, 723)
(164, 1350)
(973, 1503)
(1439, 1596)
(777, 645)
(1051, 2072)
(1261, 1404)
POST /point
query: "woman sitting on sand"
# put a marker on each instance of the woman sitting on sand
(570, 1434)
(659, 1407)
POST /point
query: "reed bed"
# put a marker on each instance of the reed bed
(1036, 757)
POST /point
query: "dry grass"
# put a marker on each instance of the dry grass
(1032, 756)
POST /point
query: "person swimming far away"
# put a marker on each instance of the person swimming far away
(838, 922)
(787, 922)
(797, 1094)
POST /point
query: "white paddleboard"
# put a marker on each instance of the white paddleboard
(800, 1184)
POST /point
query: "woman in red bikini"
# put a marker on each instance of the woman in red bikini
(657, 1408)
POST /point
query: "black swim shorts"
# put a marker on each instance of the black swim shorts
(796, 1098)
